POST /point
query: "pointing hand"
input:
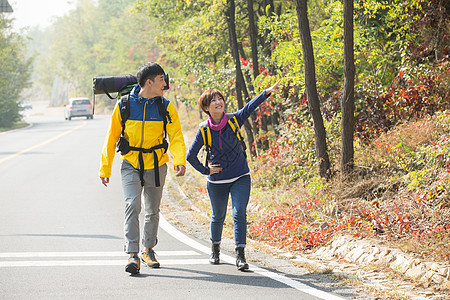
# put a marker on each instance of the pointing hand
(274, 88)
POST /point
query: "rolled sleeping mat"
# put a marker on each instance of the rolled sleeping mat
(112, 84)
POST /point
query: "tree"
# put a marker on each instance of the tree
(253, 33)
(199, 63)
(348, 100)
(93, 39)
(266, 8)
(240, 82)
(311, 89)
(15, 74)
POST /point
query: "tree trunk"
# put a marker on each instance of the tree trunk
(255, 64)
(311, 89)
(240, 82)
(267, 8)
(275, 116)
(248, 78)
(253, 115)
(348, 100)
(253, 38)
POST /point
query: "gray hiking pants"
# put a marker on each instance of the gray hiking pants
(133, 192)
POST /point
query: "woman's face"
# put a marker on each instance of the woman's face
(216, 106)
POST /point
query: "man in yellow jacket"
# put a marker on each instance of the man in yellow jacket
(144, 162)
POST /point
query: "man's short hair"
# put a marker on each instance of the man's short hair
(148, 71)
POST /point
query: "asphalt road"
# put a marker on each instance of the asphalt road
(61, 230)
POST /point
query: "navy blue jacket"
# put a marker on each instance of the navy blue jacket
(230, 157)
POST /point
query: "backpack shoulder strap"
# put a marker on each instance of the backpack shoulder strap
(124, 110)
(207, 141)
(232, 121)
(236, 129)
(206, 134)
(163, 113)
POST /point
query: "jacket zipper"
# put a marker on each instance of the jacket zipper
(143, 126)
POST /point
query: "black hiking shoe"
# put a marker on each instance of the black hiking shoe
(134, 265)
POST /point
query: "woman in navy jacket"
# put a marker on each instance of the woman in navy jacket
(228, 172)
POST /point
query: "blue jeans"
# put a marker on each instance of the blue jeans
(218, 195)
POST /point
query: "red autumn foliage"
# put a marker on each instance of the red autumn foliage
(404, 101)
(293, 229)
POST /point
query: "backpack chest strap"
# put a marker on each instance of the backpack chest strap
(153, 149)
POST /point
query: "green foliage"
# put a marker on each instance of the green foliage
(329, 51)
(286, 56)
(400, 193)
(380, 36)
(400, 184)
(426, 165)
(283, 34)
(15, 74)
(291, 160)
(95, 39)
(416, 91)
(390, 85)
(195, 40)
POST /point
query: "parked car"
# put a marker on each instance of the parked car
(25, 104)
(78, 107)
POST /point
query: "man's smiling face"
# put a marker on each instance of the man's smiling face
(156, 86)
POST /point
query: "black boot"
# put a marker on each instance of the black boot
(241, 264)
(215, 252)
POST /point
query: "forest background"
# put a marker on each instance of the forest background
(397, 186)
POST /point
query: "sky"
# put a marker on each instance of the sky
(38, 12)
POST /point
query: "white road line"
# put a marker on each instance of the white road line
(42, 143)
(169, 228)
(65, 263)
(89, 254)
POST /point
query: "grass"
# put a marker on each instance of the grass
(17, 125)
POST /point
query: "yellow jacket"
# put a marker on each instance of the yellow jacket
(143, 129)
